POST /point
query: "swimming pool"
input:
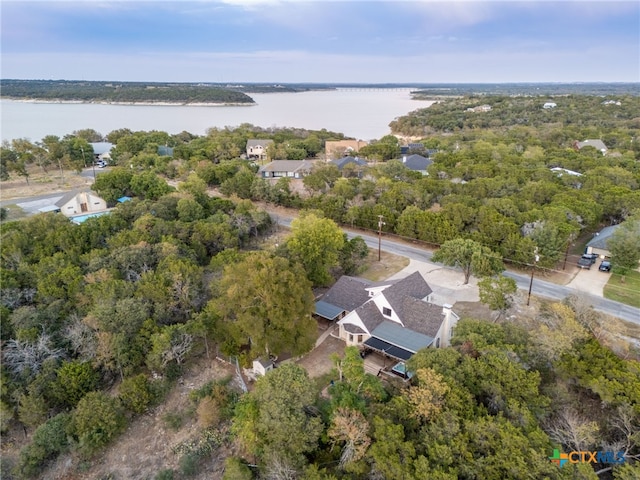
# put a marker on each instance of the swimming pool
(83, 218)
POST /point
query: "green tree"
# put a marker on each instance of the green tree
(624, 246)
(135, 393)
(316, 243)
(278, 417)
(97, 420)
(236, 469)
(114, 184)
(267, 302)
(149, 185)
(497, 293)
(49, 440)
(171, 344)
(73, 381)
(470, 256)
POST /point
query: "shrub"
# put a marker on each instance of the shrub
(49, 440)
(164, 475)
(135, 393)
(235, 469)
(97, 419)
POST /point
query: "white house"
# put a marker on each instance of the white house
(257, 148)
(262, 366)
(77, 203)
(393, 318)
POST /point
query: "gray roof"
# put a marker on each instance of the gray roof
(101, 147)
(67, 197)
(286, 166)
(328, 311)
(351, 328)
(422, 317)
(413, 286)
(395, 334)
(370, 315)
(597, 144)
(416, 162)
(258, 142)
(342, 162)
(602, 237)
(348, 293)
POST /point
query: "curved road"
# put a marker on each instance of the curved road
(540, 288)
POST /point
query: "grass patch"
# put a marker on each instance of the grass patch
(388, 265)
(624, 288)
(14, 212)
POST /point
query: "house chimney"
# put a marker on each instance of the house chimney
(446, 308)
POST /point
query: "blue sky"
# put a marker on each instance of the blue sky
(322, 41)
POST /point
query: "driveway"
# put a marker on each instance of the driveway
(447, 284)
(591, 281)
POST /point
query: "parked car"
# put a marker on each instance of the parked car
(591, 256)
(605, 266)
(585, 262)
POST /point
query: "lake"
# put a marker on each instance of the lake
(363, 113)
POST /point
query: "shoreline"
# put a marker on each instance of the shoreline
(130, 104)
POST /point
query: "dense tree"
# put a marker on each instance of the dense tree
(316, 243)
(97, 420)
(114, 184)
(273, 420)
(624, 246)
(266, 302)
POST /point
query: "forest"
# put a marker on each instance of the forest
(119, 92)
(100, 320)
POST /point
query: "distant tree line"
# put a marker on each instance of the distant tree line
(56, 90)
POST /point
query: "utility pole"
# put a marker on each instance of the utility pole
(533, 267)
(380, 224)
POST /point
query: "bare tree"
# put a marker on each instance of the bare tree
(278, 468)
(572, 430)
(25, 357)
(81, 337)
(350, 426)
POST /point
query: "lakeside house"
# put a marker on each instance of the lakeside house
(392, 319)
(335, 149)
(354, 162)
(286, 168)
(257, 148)
(417, 163)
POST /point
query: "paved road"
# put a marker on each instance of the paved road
(540, 288)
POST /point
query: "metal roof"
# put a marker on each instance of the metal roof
(328, 311)
(395, 334)
(388, 349)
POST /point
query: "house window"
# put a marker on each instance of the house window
(437, 342)
(359, 338)
(386, 311)
(350, 338)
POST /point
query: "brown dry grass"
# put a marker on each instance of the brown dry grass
(42, 183)
(388, 265)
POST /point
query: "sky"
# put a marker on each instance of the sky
(236, 41)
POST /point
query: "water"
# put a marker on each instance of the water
(364, 114)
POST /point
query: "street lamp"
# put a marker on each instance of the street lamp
(537, 257)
